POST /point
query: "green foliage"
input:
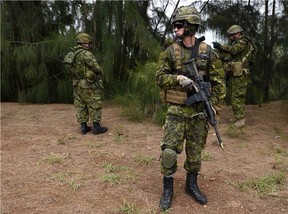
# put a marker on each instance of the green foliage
(141, 98)
(127, 46)
(122, 37)
(160, 115)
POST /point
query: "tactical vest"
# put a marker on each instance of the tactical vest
(179, 95)
(237, 68)
(81, 73)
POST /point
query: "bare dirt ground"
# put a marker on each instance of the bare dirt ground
(47, 166)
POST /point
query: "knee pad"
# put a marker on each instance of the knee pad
(169, 158)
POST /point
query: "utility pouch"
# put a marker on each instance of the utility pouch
(176, 96)
(237, 68)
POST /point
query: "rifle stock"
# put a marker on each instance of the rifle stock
(202, 95)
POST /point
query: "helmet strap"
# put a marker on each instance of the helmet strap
(190, 29)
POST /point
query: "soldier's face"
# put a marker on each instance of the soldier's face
(178, 28)
(87, 45)
(234, 36)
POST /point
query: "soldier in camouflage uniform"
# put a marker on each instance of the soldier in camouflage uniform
(235, 57)
(183, 123)
(87, 81)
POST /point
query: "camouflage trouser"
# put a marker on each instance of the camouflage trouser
(238, 97)
(88, 104)
(176, 131)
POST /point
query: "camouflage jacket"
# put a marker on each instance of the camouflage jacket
(208, 64)
(88, 73)
(237, 51)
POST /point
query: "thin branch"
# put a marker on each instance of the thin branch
(161, 16)
(163, 37)
(30, 43)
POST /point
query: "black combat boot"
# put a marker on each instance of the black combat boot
(97, 129)
(192, 189)
(166, 198)
(84, 128)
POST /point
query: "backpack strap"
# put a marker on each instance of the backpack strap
(252, 49)
(77, 52)
(79, 76)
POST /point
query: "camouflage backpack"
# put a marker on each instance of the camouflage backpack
(251, 55)
(69, 62)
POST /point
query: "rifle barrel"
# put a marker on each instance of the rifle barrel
(56, 60)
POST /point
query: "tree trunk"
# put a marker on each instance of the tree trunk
(266, 57)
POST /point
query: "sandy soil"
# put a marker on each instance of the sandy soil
(47, 166)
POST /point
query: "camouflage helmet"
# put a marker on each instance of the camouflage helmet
(234, 29)
(83, 38)
(190, 14)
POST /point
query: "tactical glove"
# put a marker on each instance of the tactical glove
(185, 82)
(216, 45)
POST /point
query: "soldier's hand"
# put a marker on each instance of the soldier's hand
(185, 82)
(216, 45)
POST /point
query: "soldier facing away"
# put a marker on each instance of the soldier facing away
(236, 57)
(87, 82)
(186, 123)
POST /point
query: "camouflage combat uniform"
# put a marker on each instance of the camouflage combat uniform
(87, 77)
(238, 81)
(237, 57)
(188, 124)
(87, 82)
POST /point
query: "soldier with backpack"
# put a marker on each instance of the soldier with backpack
(87, 77)
(186, 123)
(236, 57)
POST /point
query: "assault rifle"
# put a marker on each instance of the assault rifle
(202, 95)
(56, 60)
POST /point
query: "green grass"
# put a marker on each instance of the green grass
(111, 178)
(66, 140)
(73, 185)
(92, 145)
(144, 160)
(64, 178)
(121, 133)
(281, 134)
(54, 159)
(234, 132)
(109, 167)
(128, 208)
(56, 176)
(116, 174)
(206, 156)
(281, 150)
(265, 184)
(119, 138)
